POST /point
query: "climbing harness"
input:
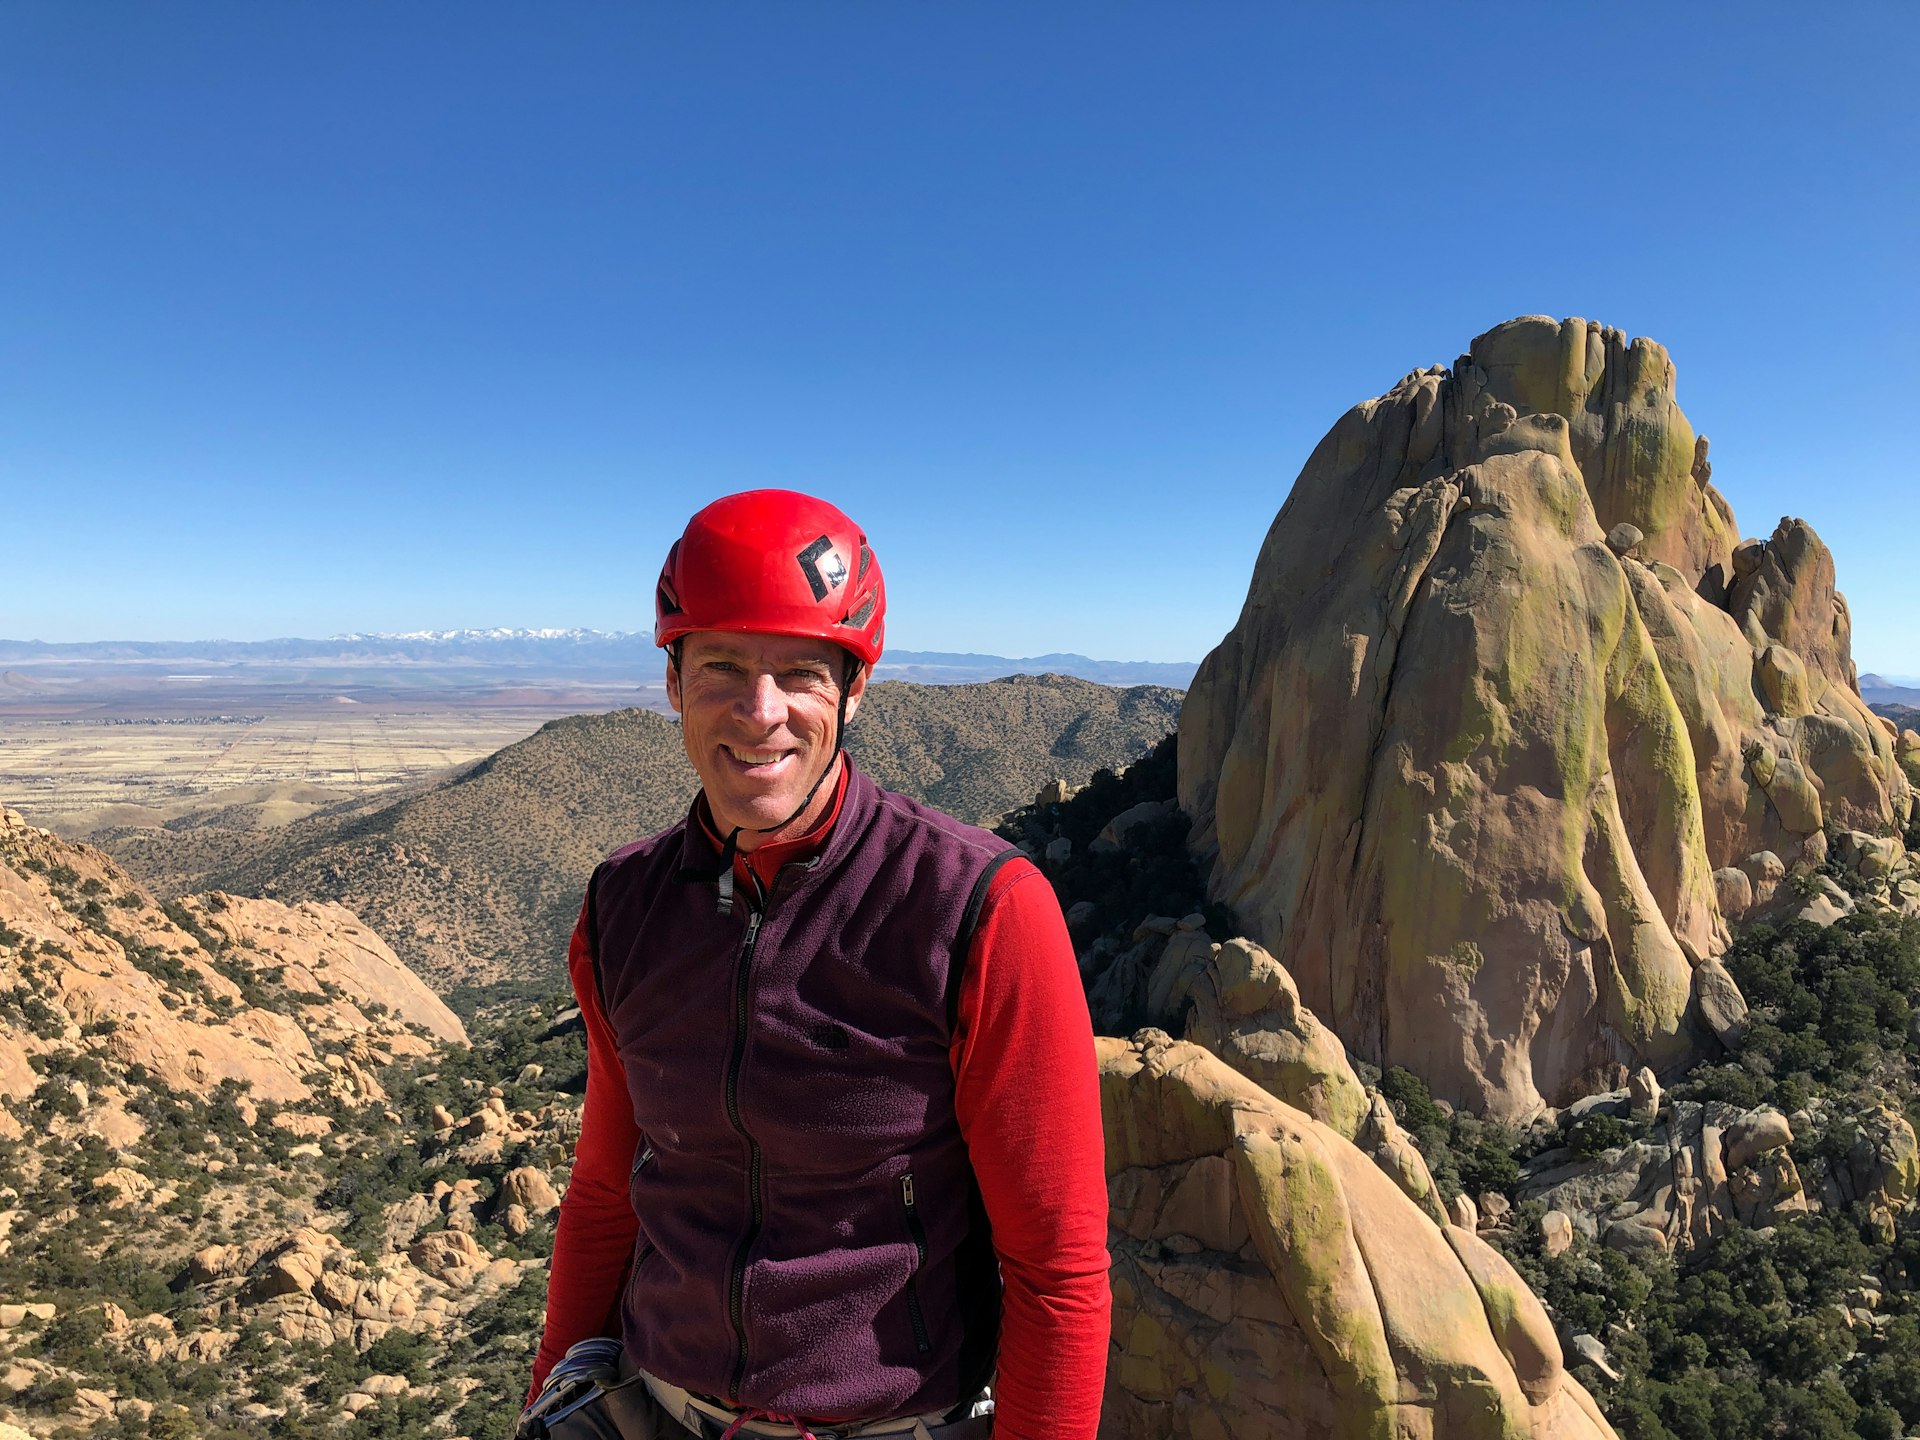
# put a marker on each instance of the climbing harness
(597, 1367)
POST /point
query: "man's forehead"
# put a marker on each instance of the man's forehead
(753, 645)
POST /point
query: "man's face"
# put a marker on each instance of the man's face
(757, 718)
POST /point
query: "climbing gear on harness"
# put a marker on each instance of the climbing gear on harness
(575, 1381)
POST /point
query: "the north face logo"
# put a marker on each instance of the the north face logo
(823, 567)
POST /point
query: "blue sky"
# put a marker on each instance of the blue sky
(323, 317)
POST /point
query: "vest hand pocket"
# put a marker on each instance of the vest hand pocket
(917, 1233)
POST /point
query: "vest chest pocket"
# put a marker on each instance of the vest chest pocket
(918, 1235)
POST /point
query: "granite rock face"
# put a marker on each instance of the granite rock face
(1468, 769)
(1269, 1279)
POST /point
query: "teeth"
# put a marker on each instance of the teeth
(757, 757)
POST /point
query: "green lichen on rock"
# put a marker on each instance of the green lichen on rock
(1300, 1225)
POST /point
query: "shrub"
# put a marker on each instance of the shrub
(1595, 1134)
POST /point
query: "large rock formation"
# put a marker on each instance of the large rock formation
(1269, 1279)
(1506, 693)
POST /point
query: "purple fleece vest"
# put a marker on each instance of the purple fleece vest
(811, 1238)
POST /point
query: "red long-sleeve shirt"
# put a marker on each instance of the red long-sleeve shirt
(1027, 1101)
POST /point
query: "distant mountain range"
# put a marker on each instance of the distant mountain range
(576, 653)
(1890, 690)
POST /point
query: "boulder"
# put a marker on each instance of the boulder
(1623, 539)
(528, 1188)
(1644, 1095)
(1784, 682)
(453, 1256)
(1250, 1248)
(1872, 857)
(1764, 871)
(1826, 902)
(1883, 1167)
(1718, 1005)
(1734, 891)
(1188, 957)
(1380, 1136)
(1754, 1134)
(1246, 1009)
(293, 1267)
(1590, 1351)
(1556, 1233)
(1909, 754)
(1635, 1237)
(1114, 835)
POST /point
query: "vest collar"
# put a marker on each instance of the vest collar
(700, 845)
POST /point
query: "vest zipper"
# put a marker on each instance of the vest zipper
(736, 1289)
(919, 1258)
(640, 1160)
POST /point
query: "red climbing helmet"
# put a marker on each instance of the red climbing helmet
(773, 562)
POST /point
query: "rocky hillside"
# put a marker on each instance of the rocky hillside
(478, 879)
(253, 1179)
(1515, 725)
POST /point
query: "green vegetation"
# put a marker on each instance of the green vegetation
(1465, 1154)
(72, 1249)
(1831, 1012)
(1758, 1332)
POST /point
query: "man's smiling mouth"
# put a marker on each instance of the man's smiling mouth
(755, 759)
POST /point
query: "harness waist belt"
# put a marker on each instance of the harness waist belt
(711, 1421)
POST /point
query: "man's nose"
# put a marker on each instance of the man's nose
(765, 703)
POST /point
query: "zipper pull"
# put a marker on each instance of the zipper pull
(906, 1190)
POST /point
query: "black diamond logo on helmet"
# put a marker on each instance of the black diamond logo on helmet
(825, 570)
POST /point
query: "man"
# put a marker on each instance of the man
(840, 1164)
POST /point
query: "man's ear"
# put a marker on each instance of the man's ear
(673, 682)
(856, 687)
